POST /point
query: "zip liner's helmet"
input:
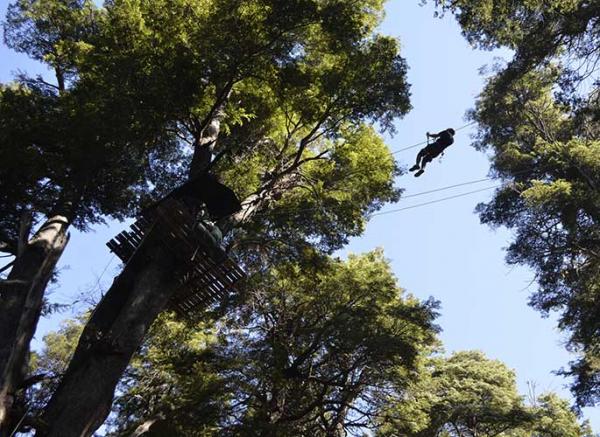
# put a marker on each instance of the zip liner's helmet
(451, 131)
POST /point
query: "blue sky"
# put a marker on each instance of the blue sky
(438, 250)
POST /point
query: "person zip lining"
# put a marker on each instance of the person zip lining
(444, 140)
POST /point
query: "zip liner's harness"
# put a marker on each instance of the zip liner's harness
(429, 144)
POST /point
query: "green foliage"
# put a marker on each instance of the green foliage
(318, 349)
(551, 199)
(464, 395)
(539, 116)
(539, 31)
(22, 121)
(59, 154)
(493, 23)
(74, 146)
(554, 418)
(47, 366)
(326, 202)
(186, 52)
(324, 346)
(50, 31)
(470, 395)
(287, 368)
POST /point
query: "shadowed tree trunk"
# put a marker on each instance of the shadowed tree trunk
(208, 133)
(21, 302)
(110, 338)
(113, 334)
(119, 323)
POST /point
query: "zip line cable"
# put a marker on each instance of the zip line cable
(422, 193)
(393, 211)
(448, 187)
(290, 210)
(403, 197)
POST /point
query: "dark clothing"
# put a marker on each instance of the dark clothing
(444, 139)
(433, 150)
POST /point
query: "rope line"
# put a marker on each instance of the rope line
(97, 286)
(393, 211)
(422, 193)
(320, 208)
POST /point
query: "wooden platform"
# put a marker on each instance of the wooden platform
(202, 279)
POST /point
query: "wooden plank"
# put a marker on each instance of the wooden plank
(137, 236)
(198, 298)
(202, 280)
(124, 242)
(111, 245)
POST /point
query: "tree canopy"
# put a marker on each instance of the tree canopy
(470, 395)
(282, 101)
(148, 92)
(318, 353)
(281, 371)
(538, 115)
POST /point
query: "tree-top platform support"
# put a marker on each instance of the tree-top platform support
(205, 274)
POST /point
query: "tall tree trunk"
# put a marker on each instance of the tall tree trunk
(111, 337)
(337, 426)
(113, 334)
(204, 146)
(119, 323)
(209, 130)
(21, 301)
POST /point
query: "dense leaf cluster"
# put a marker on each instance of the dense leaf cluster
(539, 116)
(281, 93)
(304, 364)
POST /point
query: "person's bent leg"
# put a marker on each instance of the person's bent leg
(427, 159)
(419, 157)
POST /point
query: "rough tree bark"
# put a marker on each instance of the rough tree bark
(208, 132)
(114, 332)
(21, 301)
